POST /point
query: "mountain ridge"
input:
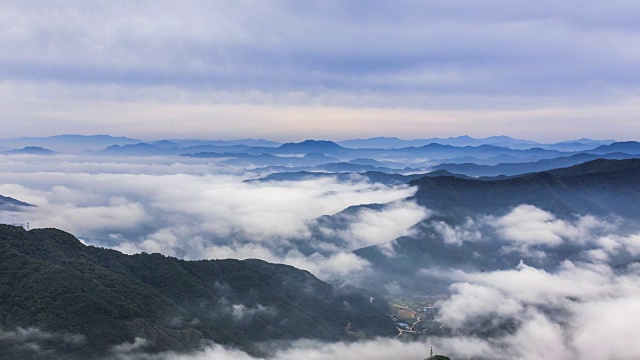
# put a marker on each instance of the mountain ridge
(52, 281)
(592, 187)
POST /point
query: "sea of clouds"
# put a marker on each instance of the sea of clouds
(583, 308)
(202, 210)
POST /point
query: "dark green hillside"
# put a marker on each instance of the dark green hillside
(51, 281)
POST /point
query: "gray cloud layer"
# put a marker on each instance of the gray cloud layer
(322, 68)
(243, 44)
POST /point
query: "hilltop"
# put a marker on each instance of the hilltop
(52, 282)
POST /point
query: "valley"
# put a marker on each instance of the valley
(319, 180)
(284, 243)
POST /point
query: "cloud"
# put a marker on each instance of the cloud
(407, 46)
(243, 313)
(604, 319)
(563, 314)
(33, 334)
(313, 350)
(529, 225)
(29, 342)
(200, 210)
(197, 210)
(138, 345)
(471, 302)
(579, 309)
(527, 228)
(613, 244)
(156, 70)
(374, 226)
(456, 235)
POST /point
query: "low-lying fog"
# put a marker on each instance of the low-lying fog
(585, 308)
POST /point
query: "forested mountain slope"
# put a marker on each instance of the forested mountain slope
(51, 281)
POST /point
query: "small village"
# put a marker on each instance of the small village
(416, 315)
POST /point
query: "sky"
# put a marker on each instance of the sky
(291, 70)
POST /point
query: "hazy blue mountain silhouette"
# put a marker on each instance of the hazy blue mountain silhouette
(29, 150)
(69, 143)
(510, 169)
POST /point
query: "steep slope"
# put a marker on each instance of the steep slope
(599, 187)
(11, 204)
(51, 281)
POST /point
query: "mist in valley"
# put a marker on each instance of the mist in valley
(195, 210)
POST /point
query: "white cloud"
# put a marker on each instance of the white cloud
(471, 302)
(529, 225)
(191, 210)
(36, 342)
(527, 228)
(581, 311)
(605, 329)
(613, 244)
(336, 265)
(456, 235)
(243, 313)
(200, 210)
(369, 226)
(593, 317)
(137, 345)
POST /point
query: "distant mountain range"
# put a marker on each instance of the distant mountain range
(243, 159)
(463, 155)
(239, 142)
(371, 176)
(78, 143)
(29, 150)
(461, 141)
(52, 282)
(510, 169)
(629, 147)
(73, 144)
